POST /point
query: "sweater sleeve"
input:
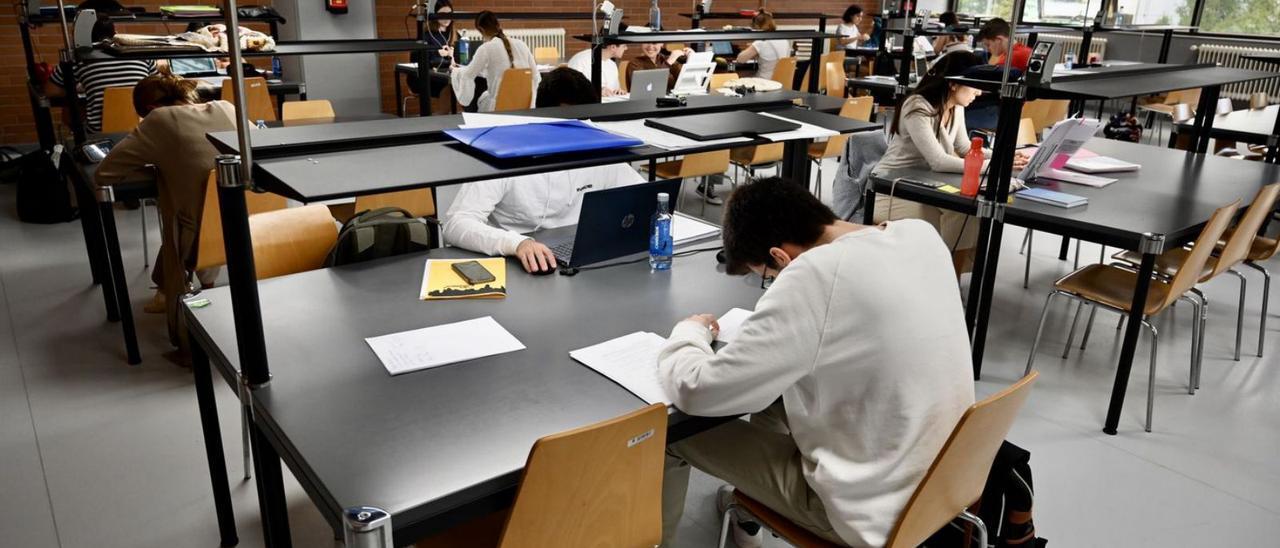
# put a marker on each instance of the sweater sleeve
(776, 346)
(463, 78)
(467, 223)
(133, 153)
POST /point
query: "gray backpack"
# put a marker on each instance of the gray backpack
(383, 232)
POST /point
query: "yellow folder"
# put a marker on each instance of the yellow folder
(439, 281)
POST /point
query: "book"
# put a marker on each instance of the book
(1100, 164)
(1052, 197)
(189, 11)
(440, 282)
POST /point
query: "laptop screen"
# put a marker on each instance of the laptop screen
(198, 65)
(722, 48)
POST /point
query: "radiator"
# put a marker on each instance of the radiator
(534, 38)
(1229, 56)
(1071, 43)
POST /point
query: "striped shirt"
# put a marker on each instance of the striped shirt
(94, 78)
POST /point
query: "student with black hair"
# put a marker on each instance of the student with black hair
(441, 34)
(564, 87)
(850, 28)
(995, 36)
(854, 365)
(95, 78)
(497, 54)
(948, 43)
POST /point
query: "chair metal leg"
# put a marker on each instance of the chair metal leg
(1027, 238)
(245, 410)
(1071, 334)
(817, 185)
(1031, 360)
(1204, 323)
(979, 527)
(1151, 379)
(1266, 297)
(1088, 327)
(706, 189)
(1026, 270)
(1195, 343)
(146, 246)
(724, 526)
(1239, 310)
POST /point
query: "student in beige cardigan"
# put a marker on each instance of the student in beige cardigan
(171, 137)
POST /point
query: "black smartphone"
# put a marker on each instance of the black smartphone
(473, 272)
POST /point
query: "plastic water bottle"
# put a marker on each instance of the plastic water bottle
(1069, 61)
(276, 70)
(262, 124)
(661, 244)
(464, 48)
(655, 16)
(971, 181)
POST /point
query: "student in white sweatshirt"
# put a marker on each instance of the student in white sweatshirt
(855, 365)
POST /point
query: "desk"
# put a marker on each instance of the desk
(1162, 206)
(1246, 126)
(436, 447)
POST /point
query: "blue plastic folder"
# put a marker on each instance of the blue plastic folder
(525, 140)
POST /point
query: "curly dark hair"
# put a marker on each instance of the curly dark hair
(565, 86)
(766, 214)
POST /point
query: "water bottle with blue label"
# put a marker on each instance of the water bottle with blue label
(277, 71)
(661, 243)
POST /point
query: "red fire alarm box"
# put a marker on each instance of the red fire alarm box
(336, 6)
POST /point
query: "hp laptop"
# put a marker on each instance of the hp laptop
(614, 222)
(649, 84)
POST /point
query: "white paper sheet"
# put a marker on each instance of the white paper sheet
(630, 361)
(442, 345)
(731, 323)
(685, 229)
(484, 119)
(806, 131)
(658, 138)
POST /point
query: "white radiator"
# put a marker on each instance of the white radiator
(1229, 56)
(534, 38)
(1071, 43)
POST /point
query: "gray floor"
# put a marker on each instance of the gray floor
(96, 453)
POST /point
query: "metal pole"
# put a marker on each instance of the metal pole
(236, 72)
(366, 527)
(66, 32)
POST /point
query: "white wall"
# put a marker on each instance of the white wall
(349, 81)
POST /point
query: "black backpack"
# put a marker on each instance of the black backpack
(382, 232)
(1005, 506)
(43, 196)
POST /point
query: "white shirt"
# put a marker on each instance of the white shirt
(767, 54)
(489, 62)
(849, 31)
(865, 341)
(490, 216)
(581, 62)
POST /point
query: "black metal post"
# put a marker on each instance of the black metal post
(39, 105)
(1205, 113)
(208, 404)
(1165, 42)
(1273, 143)
(93, 239)
(815, 62)
(1152, 246)
(119, 285)
(869, 205)
(596, 81)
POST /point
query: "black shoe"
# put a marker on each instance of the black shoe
(708, 195)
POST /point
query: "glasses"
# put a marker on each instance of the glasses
(765, 279)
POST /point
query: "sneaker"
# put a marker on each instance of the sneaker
(746, 533)
(708, 195)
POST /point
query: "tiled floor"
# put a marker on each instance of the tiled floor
(96, 453)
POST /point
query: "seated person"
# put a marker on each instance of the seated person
(441, 34)
(948, 43)
(994, 37)
(171, 137)
(610, 84)
(929, 131)
(766, 53)
(850, 28)
(855, 367)
(490, 61)
(491, 217)
(655, 56)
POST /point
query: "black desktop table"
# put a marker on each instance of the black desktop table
(1162, 206)
(439, 446)
(1246, 126)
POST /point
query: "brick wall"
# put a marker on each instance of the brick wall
(15, 111)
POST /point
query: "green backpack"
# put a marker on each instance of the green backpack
(382, 232)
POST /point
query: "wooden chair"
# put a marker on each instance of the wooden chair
(1111, 288)
(785, 72)
(546, 55)
(701, 165)
(1167, 108)
(830, 57)
(675, 46)
(210, 250)
(1026, 133)
(952, 485)
(1045, 112)
(755, 157)
(118, 114)
(516, 90)
(1262, 250)
(418, 202)
(836, 79)
(857, 108)
(291, 240)
(307, 110)
(720, 79)
(257, 99)
(622, 75)
(599, 485)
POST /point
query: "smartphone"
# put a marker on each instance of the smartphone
(473, 272)
(96, 151)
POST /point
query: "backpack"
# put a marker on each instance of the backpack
(1123, 126)
(382, 232)
(43, 196)
(1005, 506)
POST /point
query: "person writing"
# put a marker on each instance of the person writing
(929, 132)
(610, 83)
(171, 137)
(491, 217)
(655, 56)
(497, 54)
(854, 365)
(765, 52)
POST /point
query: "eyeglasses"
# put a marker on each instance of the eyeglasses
(765, 279)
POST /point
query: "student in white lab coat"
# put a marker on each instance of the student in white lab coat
(497, 54)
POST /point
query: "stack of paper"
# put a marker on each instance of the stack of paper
(630, 361)
(731, 323)
(189, 11)
(685, 229)
(443, 344)
(440, 281)
(1053, 198)
(483, 119)
(806, 131)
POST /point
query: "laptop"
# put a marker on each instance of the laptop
(721, 125)
(695, 75)
(194, 67)
(1062, 141)
(614, 222)
(649, 84)
(723, 48)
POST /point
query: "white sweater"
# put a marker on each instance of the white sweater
(865, 341)
(517, 205)
(489, 62)
(581, 62)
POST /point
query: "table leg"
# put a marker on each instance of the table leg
(208, 404)
(1066, 245)
(869, 206)
(93, 244)
(271, 498)
(1204, 117)
(1273, 143)
(795, 161)
(399, 95)
(653, 169)
(119, 285)
(1133, 328)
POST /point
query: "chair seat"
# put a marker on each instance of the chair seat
(747, 156)
(1158, 107)
(670, 170)
(796, 535)
(1263, 248)
(1167, 263)
(1112, 286)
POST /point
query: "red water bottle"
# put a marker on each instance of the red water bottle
(972, 168)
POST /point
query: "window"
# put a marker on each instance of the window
(1236, 16)
(1041, 11)
(988, 8)
(1154, 12)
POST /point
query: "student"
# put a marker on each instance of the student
(850, 28)
(95, 78)
(497, 54)
(994, 37)
(855, 367)
(441, 34)
(655, 56)
(948, 43)
(610, 84)
(766, 52)
(491, 217)
(171, 137)
(929, 131)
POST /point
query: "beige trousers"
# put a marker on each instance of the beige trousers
(760, 458)
(959, 231)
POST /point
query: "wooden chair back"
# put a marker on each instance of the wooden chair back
(836, 79)
(417, 202)
(546, 55)
(674, 47)
(118, 114)
(1188, 96)
(704, 163)
(785, 72)
(599, 485)
(516, 90)
(211, 252)
(1045, 112)
(856, 108)
(1240, 242)
(257, 98)
(757, 154)
(1026, 132)
(307, 110)
(622, 75)
(291, 240)
(1190, 270)
(959, 472)
(720, 79)
(829, 57)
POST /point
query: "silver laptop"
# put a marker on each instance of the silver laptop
(649, 84)
(194, 67)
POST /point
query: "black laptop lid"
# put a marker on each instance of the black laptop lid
(721, 125)
(614, 222)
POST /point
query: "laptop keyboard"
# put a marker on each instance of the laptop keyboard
(563, 251)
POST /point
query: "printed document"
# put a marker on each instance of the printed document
(731, 323)
(806, 131)
(442, 345)
(631, 361)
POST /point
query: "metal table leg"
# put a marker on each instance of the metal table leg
(795, 161)
(94, 245)
(118, 284)
(399, 95)
(1152, 245)
(868, 206)
(213, 444)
